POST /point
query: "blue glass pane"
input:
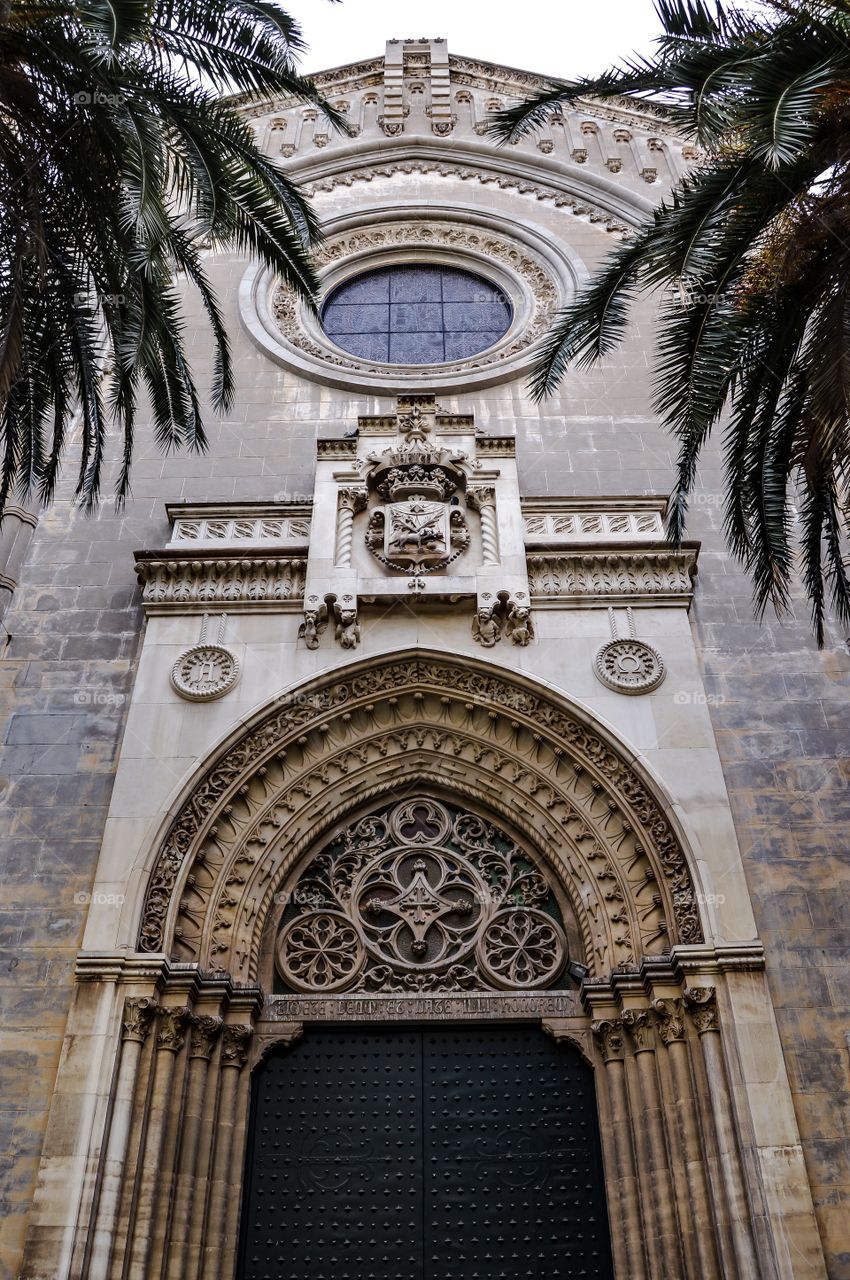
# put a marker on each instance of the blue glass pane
(416, 284)
(413, 314)
(359, 317)
(416, 317)
(416, 348)
(369, 346)
(461, 345)
(482, 316)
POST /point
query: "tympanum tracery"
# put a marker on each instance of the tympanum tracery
(421, 896)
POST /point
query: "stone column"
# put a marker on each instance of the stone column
(170, 1041)
(627, 1233)
(702, 1003)
(349, 502)
(670, 1020)
(204, 1033)
(139, 1013)
(655, 1176)
(483, 500)
(234, 1054)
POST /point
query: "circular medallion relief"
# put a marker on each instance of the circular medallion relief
(629, 666)
(205, 672)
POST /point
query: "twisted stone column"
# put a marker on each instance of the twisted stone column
(702, 1004)
(235, 1040)
(349, 502)
(483, 500)
(139, 1013)
(699, 1235)
(204, 1033)
(627, 1243)
(663, 1243)
(169, 1042)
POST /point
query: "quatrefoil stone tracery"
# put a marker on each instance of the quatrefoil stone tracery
(421, 897)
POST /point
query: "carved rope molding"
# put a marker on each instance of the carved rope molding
(467, 730)
(621, 574)
(239, 581)
(509, 253)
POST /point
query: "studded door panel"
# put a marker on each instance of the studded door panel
(445, 1154)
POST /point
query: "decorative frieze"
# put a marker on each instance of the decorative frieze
(240, 582)
(660, 577)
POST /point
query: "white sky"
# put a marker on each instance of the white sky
(554, 37)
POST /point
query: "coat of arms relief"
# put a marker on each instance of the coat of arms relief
(421, 527)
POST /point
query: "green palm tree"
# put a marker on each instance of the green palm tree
(120, 157)
(750, 257)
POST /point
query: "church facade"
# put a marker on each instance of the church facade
(416, 867)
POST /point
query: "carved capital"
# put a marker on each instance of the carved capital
(353, 498)
(172, 1029)
(670, 1020)
(235, 1041)
(638, 1023)
(139, 1013)
(608, 1034)
(204, 1033)
(482, 495)
(702, 1006)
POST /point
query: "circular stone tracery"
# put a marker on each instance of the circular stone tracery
(421, 897)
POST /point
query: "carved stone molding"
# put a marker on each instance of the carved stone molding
(664, 577)
(580, 206)
(561, 520)
(481, 734)
(241, 582)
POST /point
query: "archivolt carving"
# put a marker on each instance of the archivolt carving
(459, 729)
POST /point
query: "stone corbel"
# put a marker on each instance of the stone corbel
(563, 1031)
(518, 625)
(347, 630)
(315, 622)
